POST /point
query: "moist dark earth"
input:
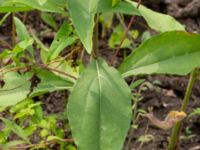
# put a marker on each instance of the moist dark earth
(166, 92)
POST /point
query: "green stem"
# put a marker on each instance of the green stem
(95, 51)
(174, 139)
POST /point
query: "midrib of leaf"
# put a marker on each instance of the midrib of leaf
(147, 51)
(98, 77)
(86, 104)
(137, 64)
(167, 59)
(100, 90)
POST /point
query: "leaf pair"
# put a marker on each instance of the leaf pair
(83, 13)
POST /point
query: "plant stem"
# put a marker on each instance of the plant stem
(125, 34)
(121, 19)
(58, 71)
(95, 51)
(174, 139)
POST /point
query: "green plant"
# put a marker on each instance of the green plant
(27, 118)
(99, 106)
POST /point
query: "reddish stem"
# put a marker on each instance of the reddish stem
(125, 34)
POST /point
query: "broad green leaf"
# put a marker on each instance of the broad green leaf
(17, 86)
(174, 52)
(22, 33)
(61, 41)
(83, 13)
(99, 108)
(158, 21)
